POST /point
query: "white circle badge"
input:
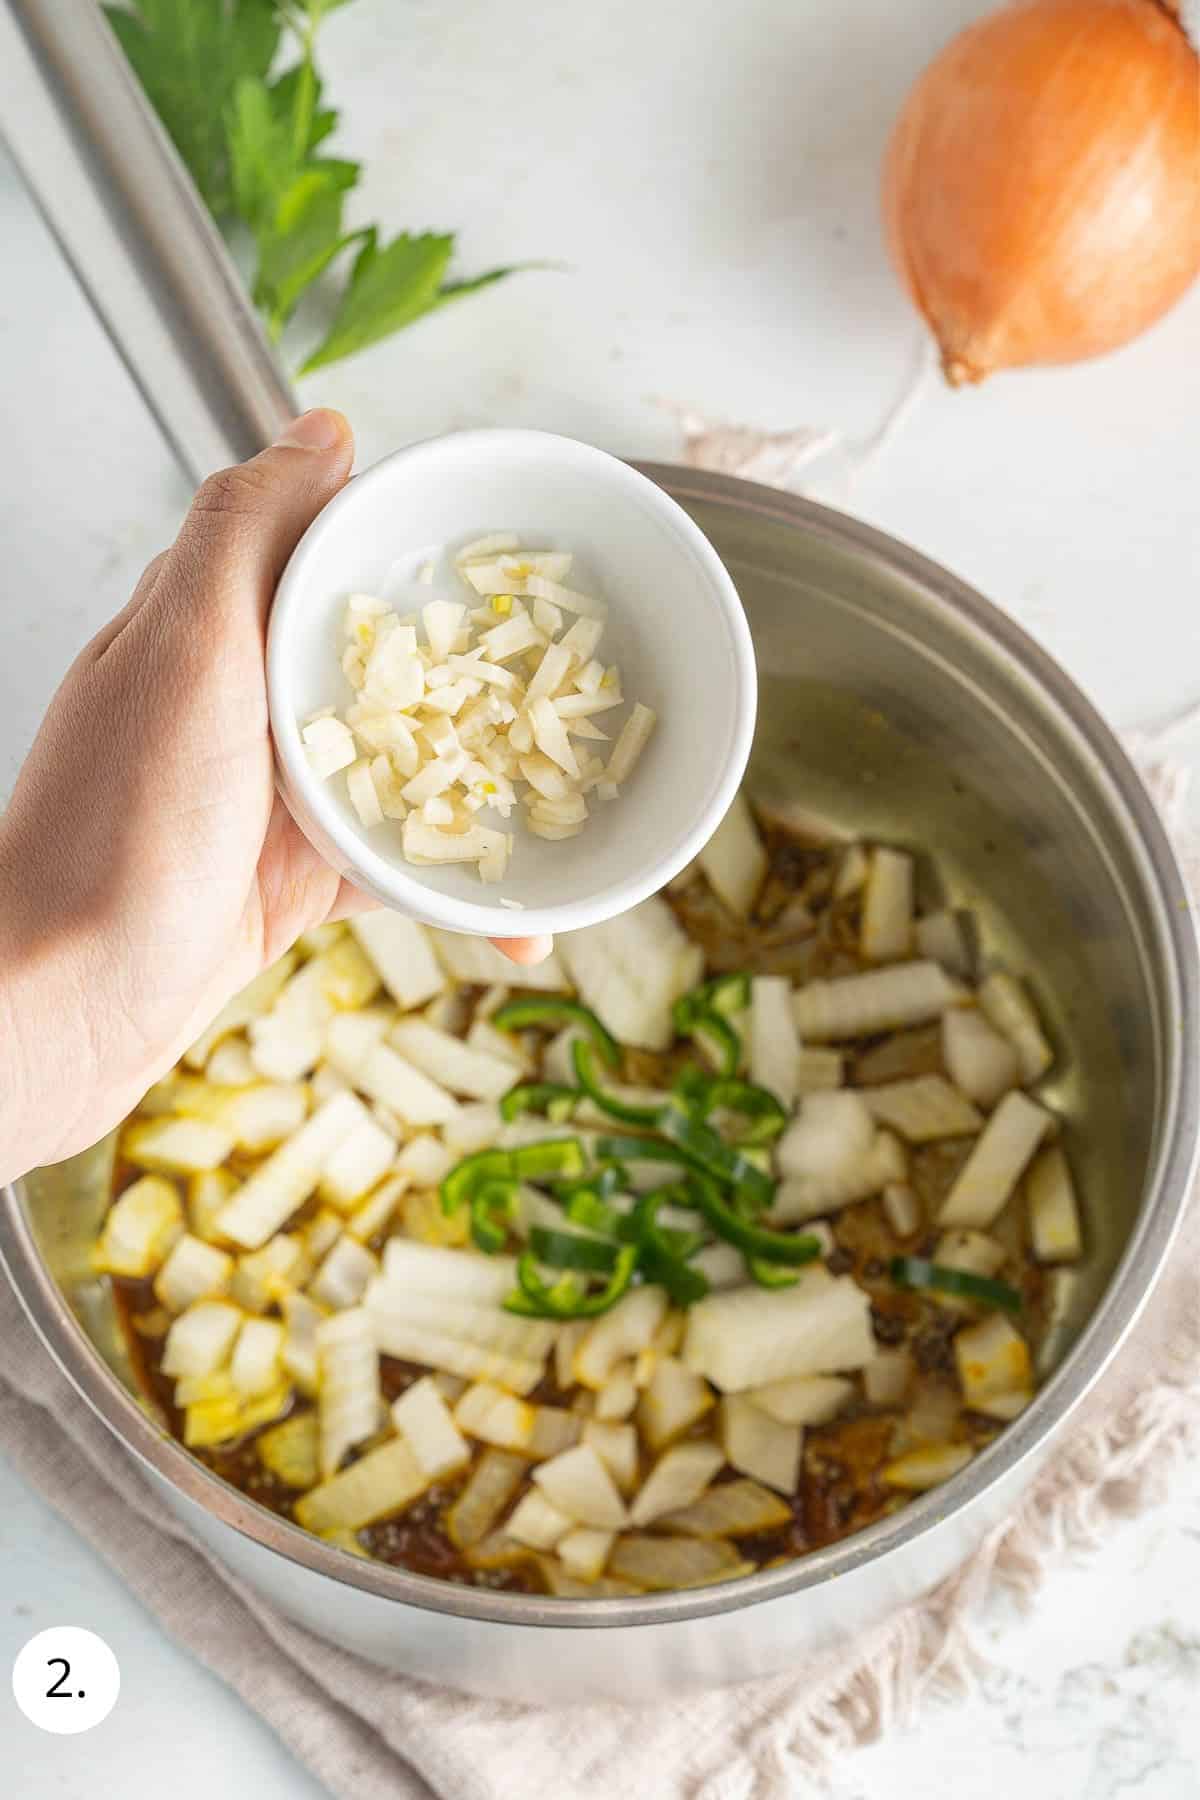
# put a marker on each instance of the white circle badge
(66, 1679)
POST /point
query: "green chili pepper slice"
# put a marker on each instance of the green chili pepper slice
(553, 1157)
(765, 1115)
(610, 1178)
(684, 1284)
(727, 995)
(552, 1011)
(625, 1110)
(664, 1238)
(570, 1250)
(586, 1208)
(771, 1275)
(915, 1272)
(493, 1207)
(548, 1097)
(467, 1176)
(567, 1298)
(704, 1150)
(691, 1088)
(752, 1240)
(637, 1149)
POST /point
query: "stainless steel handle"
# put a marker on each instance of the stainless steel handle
(136, 233)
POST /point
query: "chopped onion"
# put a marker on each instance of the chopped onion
(584, 1551)
(289, 1451)
(177, 1146)
(1011, 1011)
(397, 1310)
(299, 1353)
(1054, 1228)
(887, 923)
(995, 1165)
(619, 1334)
(264, 1276)
(902, 1209)
(491, 1485)
(674, 1400)
(201, 1338)
(858, 1005)
(992, 1358)
(634, 736)
(927, 1467)
(923, 1109)
(349, 1400)
(802, 1197)
(193, 1271)
(343, 1276)
(403, 955)
(831, 1133)
(383, 1481)
(734, 860)
(357, 1163)
(630, 971)
(452, 1063)
(804, 1399)
(537, 1523)
(617, 1398)
(657, 1562)
(747, 1337)
(979, 1060)
(290, 1174)
(678, 1478)
(759, 1446)
(616, 1444)
(774, 1044)
(494, 1416)
(732, 1509)
(254, 1366)
(140, 1229)
(941, 937)
(579, 1485)
(422, 1417)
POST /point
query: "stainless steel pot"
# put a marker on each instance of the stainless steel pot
(894, 702)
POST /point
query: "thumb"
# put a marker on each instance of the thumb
(245, 521)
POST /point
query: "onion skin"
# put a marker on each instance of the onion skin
(1042, 185)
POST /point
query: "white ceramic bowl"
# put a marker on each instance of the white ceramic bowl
(676, 628)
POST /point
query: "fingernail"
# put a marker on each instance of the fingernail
(526, 951)
(319, 429)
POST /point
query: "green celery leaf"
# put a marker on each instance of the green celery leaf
(263, 163)
(343, 173)
(389, 288)
(189, 56)
(306, 236)
(323, 123)
(458, 290)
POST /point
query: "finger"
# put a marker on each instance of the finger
(108, 634)
(245, 521)
(525, 951)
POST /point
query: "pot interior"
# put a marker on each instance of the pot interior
(887, 712)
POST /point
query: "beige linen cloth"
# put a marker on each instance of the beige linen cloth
(370, 1735)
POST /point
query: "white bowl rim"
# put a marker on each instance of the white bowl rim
(388, 881)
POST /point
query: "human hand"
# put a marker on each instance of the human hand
(147, 868)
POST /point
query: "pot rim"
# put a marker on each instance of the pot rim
(1128, 1290)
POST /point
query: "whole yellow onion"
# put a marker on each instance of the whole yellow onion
(1042, 184)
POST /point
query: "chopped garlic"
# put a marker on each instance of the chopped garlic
(462, 708)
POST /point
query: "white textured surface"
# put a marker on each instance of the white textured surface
(708, 174)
